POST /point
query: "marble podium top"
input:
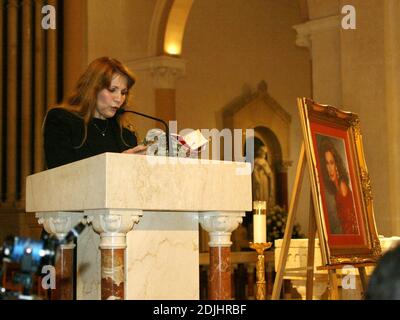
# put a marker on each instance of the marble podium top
(126, 181)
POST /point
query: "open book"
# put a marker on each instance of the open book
(182, 146)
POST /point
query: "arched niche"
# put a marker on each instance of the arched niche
(271, 124)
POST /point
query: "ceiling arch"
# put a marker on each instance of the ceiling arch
(175, 27)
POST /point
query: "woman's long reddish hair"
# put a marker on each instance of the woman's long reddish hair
(97, 76)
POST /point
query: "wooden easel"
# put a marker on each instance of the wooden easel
(333, 280)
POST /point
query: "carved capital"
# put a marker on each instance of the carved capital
(113, 225)
(306, 30)
(59, 223)
(165, 70)
(303, 40)
(165, 78)
(219, 226)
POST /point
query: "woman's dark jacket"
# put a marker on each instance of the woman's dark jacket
(64, 131)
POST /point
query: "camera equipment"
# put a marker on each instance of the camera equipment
(32, 256)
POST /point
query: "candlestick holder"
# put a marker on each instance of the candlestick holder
(260, 268)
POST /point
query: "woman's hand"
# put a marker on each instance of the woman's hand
(140, 149)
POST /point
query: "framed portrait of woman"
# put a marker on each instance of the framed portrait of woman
(341, 187)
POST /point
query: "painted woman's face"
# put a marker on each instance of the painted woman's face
(109, 100)
(331, 166)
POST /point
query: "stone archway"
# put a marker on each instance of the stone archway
(168, 27)
(271, 124)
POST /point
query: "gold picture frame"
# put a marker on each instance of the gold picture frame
(341, 187)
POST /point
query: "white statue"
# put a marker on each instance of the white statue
(262, 177)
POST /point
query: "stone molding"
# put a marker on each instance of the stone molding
(305, 31)
(165, 70)
(219, 226)
(113, 225)
(59, 223)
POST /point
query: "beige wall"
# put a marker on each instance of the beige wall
(363, 87)
(322, 8)
(233, 45)
(119, 28)
(353, 69)
(230, 46)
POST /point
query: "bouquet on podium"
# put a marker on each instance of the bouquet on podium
(188, 146)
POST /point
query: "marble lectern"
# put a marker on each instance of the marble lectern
(162, 200)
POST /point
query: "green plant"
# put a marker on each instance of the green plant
(276, 222)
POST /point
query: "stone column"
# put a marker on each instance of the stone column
(165, 74)
(113, 225)
(165, 71)
(322, 37)
(220, 225)
(392, 92)
(59, 224)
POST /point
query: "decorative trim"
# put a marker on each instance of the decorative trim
(366, 186)
(165, 70)
(155, 27)
(59, 223)
(220, 225)
(113, 225)
(251, 97)
(306, 30)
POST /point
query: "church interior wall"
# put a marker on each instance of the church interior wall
(230, 49)
(363, 87)
(230, 46)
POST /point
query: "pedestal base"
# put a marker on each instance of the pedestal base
(162, 261)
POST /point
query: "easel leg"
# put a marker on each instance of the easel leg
(289, 226)
(364, 279)
(333, 285)
(312, 228)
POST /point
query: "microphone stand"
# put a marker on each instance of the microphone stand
(156, 119)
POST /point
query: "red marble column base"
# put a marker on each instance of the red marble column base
(219, 281)
(64, 276)
(112, 274)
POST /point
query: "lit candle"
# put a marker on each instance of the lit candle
(260, 221)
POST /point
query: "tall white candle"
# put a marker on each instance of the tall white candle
(260, 222)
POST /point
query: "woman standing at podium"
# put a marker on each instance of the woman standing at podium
(87, 122)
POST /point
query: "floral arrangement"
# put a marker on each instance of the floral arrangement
(276, 222)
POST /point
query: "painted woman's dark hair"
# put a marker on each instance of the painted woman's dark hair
(326, 145)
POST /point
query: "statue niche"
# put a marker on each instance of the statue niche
(262, 178)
